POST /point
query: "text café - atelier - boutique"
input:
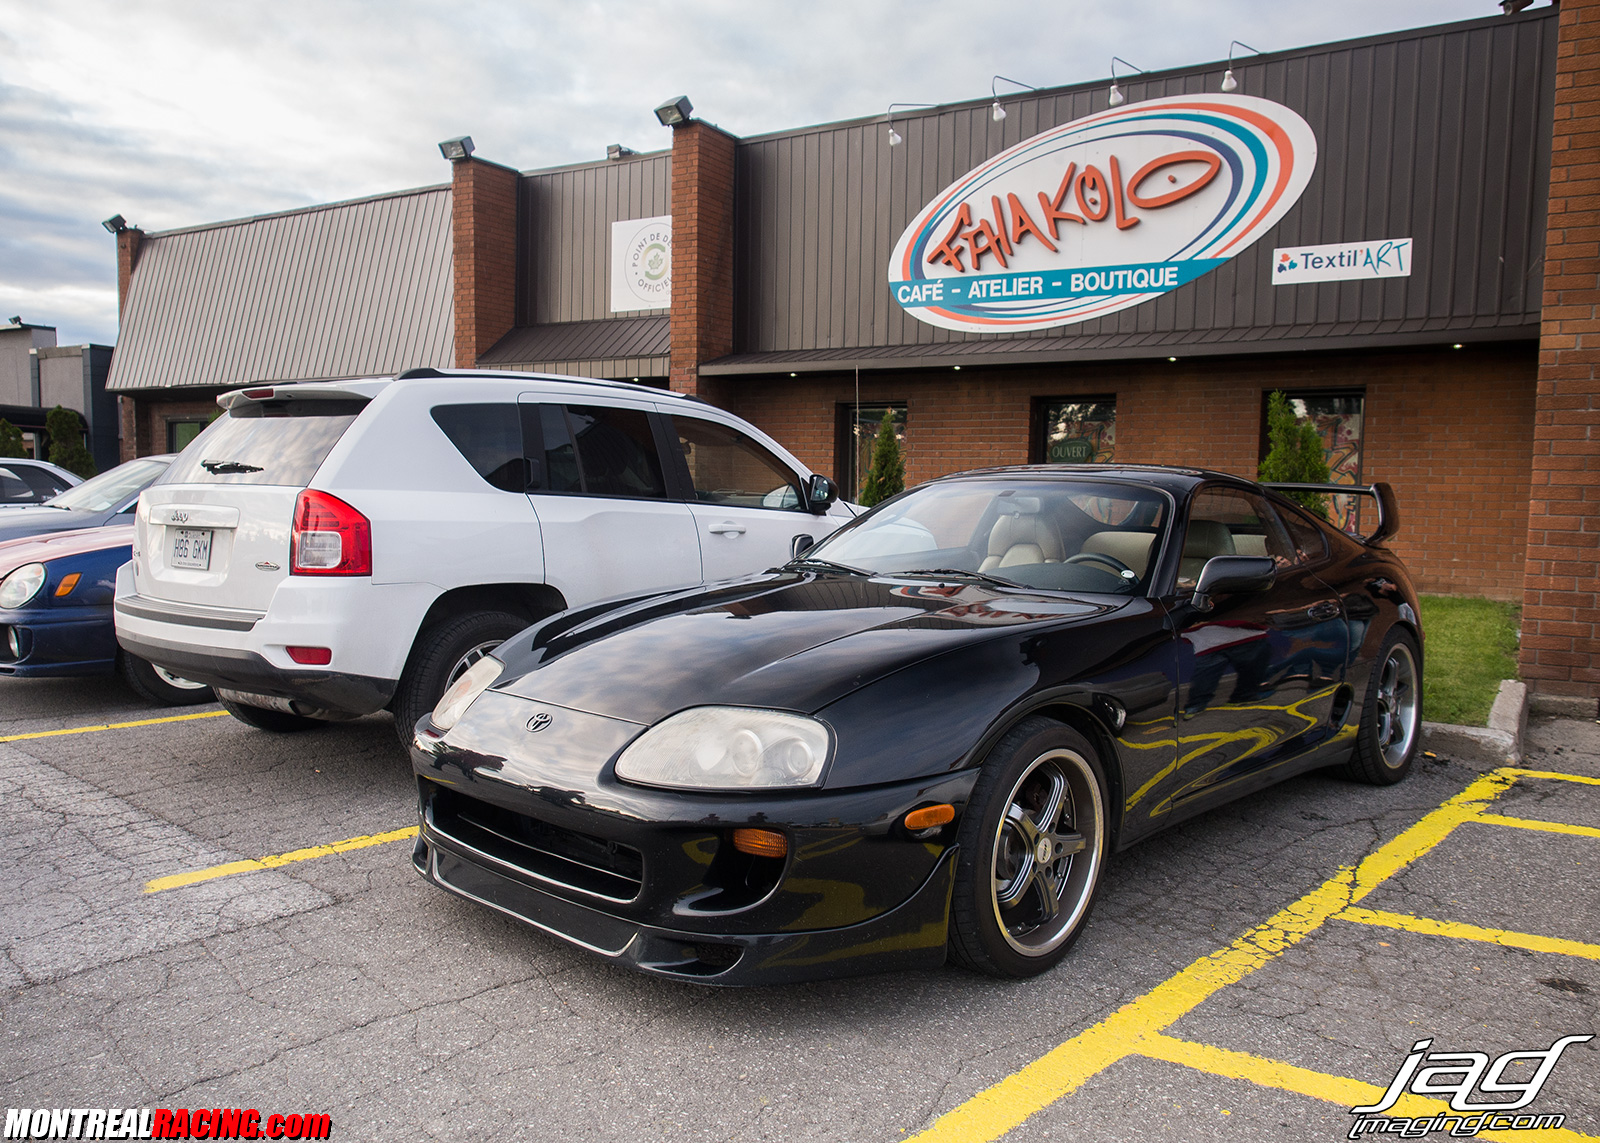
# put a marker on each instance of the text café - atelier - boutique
(1121, 270)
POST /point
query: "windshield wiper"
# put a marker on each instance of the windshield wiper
(827, 565)
(224, 467)
(958, 573)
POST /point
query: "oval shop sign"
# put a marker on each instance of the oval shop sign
(1102, 213)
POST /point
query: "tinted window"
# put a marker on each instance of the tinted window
(616, 451)
(13, 490)
(1230, 522)
(490, 438)
(1309, 543)
(275, 442)
(555, 459)
(727, 467)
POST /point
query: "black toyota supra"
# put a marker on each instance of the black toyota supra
(922, 737)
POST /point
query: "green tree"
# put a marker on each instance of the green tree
(887, 476)
(66, 442)
(1295, 454)
(11, 439)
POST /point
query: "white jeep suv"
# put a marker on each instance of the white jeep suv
(324, 550)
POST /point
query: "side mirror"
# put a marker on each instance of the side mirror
(1229, 574)
(800, 545)
(820, 494)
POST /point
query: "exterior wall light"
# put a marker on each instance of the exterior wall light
(618, 151)
(999, 113)
(675, 111)
(116, 224)
(1116, 98)
(1228, 82)
(457, 149)
(895, 138)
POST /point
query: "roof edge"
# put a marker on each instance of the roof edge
(297, 210)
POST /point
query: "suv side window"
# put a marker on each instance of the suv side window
(727, 467)
(490, 438)
(615, 451)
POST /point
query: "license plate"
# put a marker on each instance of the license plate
(191, 548)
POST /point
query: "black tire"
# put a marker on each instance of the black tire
(1010, 915)
(444, 650)
(162, 687)
(276, 721)
(1391, 714)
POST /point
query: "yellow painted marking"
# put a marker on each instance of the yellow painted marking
(1535, 823)
(1347, 1093)
(1553, 775)
(1006, 1104)
(1464, 932)
(251, 865)
(112, 726)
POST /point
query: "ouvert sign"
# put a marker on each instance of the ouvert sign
(1102, 213)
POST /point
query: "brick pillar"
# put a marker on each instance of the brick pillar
(129, 242)
(483, 228)
(702, 255)
(1561, 599)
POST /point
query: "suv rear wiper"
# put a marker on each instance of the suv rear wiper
(958, 573)
(223, 467)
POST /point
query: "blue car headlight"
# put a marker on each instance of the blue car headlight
(21, 585)
(728, 748)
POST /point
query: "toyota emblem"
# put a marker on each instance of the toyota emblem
(539, 721)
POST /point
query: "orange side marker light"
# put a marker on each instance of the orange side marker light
(761, 842)
(927, 817)
(68, 582)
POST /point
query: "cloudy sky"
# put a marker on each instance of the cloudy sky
(178, 112)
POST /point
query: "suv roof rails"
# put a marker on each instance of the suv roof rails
(430, 371)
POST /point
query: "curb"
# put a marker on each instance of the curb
(1498, 744)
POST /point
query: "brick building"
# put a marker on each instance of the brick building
(1468, 382)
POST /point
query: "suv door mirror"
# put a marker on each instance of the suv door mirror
(820, 494)
(1223, 574)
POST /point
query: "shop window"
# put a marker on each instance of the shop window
(1076, 430)
(1339, 417)
(858, 429)
(182, 430)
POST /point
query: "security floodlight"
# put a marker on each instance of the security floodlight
(116, 224)
(675, 111)
(457, 149)
(618, 151)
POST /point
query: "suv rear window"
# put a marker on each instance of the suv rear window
(274, 442)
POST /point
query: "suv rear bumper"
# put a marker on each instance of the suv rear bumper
(249, 672)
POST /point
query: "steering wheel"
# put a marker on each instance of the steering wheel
(1123, 570)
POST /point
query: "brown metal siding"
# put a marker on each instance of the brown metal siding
(353, 289)
(1439, 135)
(565, 233)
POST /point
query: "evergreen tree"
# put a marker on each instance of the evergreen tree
(1295, 454)
(66, 442)
(887, 476)
(11, 440)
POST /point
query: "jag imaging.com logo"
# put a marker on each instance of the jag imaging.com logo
(1459, 1075)
(1102, 213)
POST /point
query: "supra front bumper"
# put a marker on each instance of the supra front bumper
(910, 936)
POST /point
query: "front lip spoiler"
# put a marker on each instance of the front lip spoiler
(910, 936)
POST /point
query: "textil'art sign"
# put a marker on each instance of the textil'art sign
(1106, 212)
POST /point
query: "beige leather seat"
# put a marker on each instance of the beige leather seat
(1022, 537)
(1206, 538)
(1132, 548)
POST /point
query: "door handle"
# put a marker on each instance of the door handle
(1327, 609)
(726, 528)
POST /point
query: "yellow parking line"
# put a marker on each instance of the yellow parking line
(1553, 775)
(1010, 1102)
(1464, 932)
(1339, 1090)
(112, 726)
(1535, 823)
(273, 861)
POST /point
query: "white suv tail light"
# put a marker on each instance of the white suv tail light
(328, 537)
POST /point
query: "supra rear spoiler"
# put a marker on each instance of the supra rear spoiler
(1388, 510)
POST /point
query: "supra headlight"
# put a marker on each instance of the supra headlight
(728, 748)
(458, 697)
(21, 585)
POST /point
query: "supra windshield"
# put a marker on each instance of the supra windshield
(112, 487)
(1060, 535)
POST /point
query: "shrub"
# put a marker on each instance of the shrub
(65, 428)
(887, 476)
(1295, 454)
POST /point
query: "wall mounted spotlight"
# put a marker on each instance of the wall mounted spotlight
(999, 113)
(618, 151)
(1228, 82)
(895, 138)
(675, 111)
(457, 149)
(1116, 98)
(116, 224)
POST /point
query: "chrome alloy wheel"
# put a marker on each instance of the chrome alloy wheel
(1047, 852)
(465, 663)
(1397, 712)
(178, 681)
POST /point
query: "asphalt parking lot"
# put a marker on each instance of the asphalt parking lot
(183, 929)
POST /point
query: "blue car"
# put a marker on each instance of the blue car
(55, 613)
(109, 498)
